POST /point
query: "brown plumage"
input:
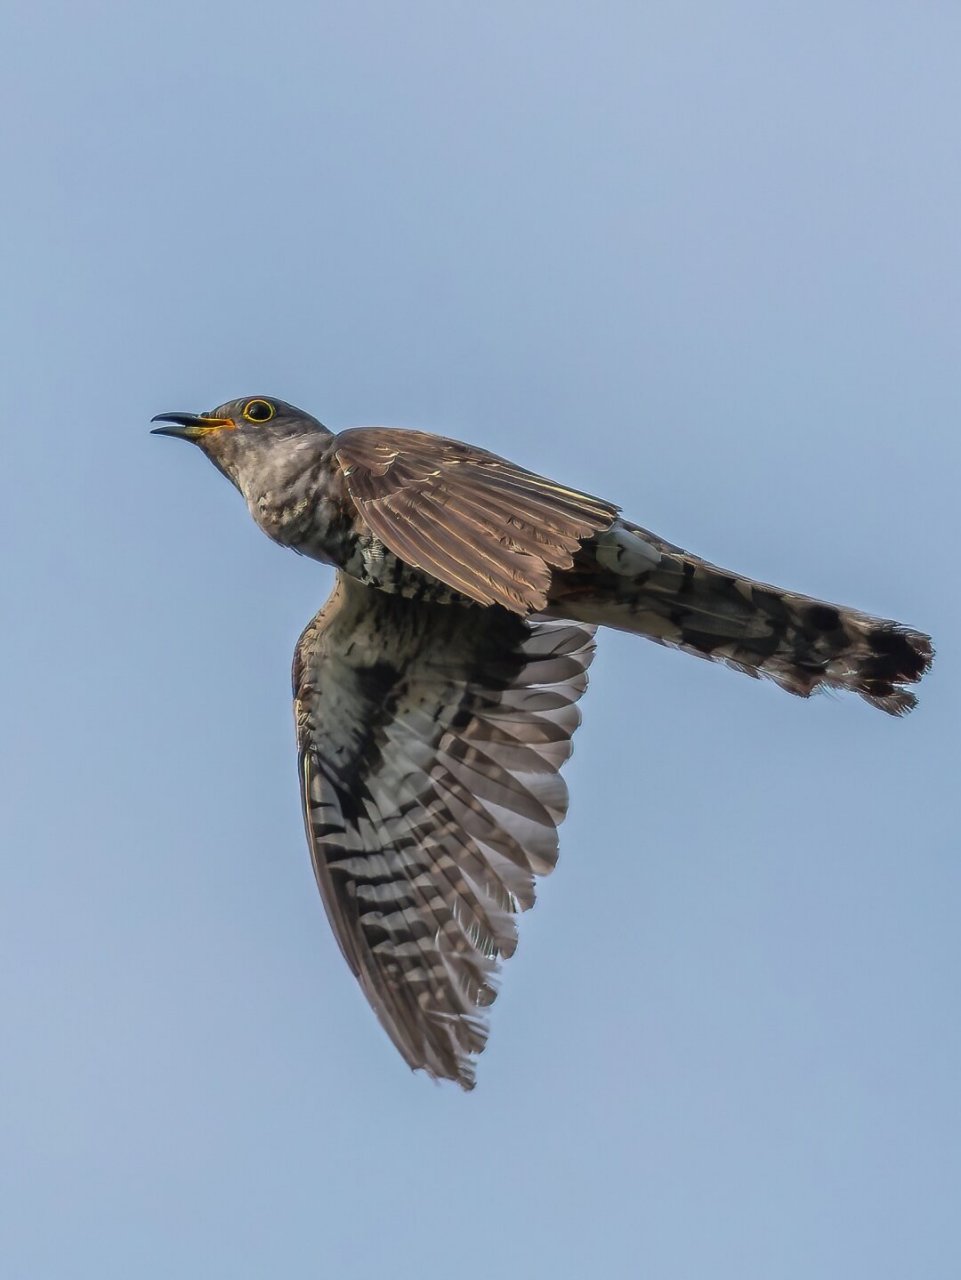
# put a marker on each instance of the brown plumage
(489, 529)
(435, 693)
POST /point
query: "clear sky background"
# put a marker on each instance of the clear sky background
(703, 259)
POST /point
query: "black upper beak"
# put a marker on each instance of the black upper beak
(186, 425)
(190, 426)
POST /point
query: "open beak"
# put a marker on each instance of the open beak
(189, 426)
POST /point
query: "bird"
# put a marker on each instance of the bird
(436, 691)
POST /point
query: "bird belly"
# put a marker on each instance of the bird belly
(369, 561)
(351, 547)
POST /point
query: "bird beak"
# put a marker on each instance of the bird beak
(189, 426)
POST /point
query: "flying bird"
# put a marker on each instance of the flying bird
(435, 693)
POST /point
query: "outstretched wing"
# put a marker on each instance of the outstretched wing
(430, 740)
(479, 524)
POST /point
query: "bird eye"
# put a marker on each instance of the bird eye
(259, 410)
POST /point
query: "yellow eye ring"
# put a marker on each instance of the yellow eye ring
(259, 411)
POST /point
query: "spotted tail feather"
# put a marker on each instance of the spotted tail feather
(629, 579)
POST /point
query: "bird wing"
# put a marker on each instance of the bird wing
(430, 739)
(484, 527)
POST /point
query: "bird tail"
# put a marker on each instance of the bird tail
(629, 579)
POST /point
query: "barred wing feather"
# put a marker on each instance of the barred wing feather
(430, 740)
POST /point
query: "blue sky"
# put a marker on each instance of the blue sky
(703, 259)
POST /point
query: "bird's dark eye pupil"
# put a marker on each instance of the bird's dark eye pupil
(259, 411)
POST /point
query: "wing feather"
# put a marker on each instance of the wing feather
(483, 526)
(430, 739)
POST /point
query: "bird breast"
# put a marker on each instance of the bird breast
(326, 526)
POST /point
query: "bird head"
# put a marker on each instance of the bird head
(243, 438)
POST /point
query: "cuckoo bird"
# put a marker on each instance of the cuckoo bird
(435, 693)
